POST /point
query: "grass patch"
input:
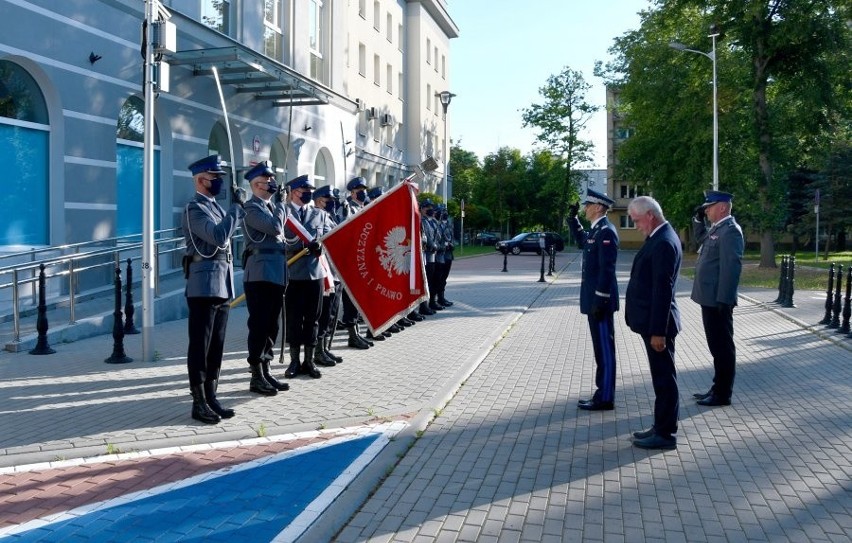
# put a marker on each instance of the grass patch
(810, 274)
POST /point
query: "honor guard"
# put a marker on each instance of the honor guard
(303, 299)
(264, 274)
(445, 235)
(326, 200)
(598, 291)
(429, 235)
(209, 272)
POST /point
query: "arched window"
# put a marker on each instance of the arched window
(24, 152)
(321, 177)
(129, 158)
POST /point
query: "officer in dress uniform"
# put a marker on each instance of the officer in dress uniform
(209, 272)
(445, 240)
(303, 300)
(357, 187)
(264, 275)
(717, 278)
(598, 292)
(429, 234)
(326, 200)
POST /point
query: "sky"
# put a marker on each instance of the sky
(507, 49)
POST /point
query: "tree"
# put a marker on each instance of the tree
(503, 187)
(560, 121)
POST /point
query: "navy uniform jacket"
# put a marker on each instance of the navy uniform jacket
(720, 261)
(208, 229)
(650, 305)
(263, 231)
(316, 223)
(600, 252)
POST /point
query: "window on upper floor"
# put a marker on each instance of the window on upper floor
(428, 51)
(429, 97)
(377, 14)
(389, 28)
(630, 191)
(389, 78)
(436, 58)
(399, 82)
(377, 70)
(273, 34)
(362, 8)
(362, 59)
(217, 15)
(443, 66)
(317, 25)
(626, 222)
(622, 133)
(399, 42)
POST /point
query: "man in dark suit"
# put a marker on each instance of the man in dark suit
(264, 275)
(303, 301)
(651, 311)
(209, 283)
(717, 278)
(598, 292)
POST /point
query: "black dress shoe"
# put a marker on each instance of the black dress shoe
(656, 441)
(581, 402)
(597, 406)
(415, 316)
(713, 400)
(702, 395)
(644, 434)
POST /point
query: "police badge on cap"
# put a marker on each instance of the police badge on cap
(715, 196)
(594, 197)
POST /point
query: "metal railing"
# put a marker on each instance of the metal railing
(66, 264)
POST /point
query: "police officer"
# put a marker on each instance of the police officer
(445, 240)
(264, 275)
(717, 278)
(357, 187)
(325, 198)
(303, 300)
(429, 234)
(598, 292)
(209, 271)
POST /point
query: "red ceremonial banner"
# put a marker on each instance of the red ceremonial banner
(378, 257)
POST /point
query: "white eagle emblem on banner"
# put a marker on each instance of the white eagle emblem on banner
(395, 255)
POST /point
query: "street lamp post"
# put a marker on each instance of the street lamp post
(714, 33)
(446, 97)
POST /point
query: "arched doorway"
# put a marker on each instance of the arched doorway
(129, 159)
(25, 131)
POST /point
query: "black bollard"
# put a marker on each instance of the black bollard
(781, 274)
(505, 256)
(847, 310)
(828, 302)
(118, 356)
(42, 346)
(129, 310)
(551, 265)
(791, 282)
(835, 309)
(541, 278)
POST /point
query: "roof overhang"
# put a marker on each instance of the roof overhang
(252, 73)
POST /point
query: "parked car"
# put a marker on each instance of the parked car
(528, 242)
(486, 238)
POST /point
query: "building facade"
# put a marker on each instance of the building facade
(620, 188)
(331, 88)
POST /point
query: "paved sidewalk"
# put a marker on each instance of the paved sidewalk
(507, 456)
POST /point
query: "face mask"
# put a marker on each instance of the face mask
(306, 197)
(361, 196)
(430, 212)
(215, 186)
(272, 187)
(331, 206)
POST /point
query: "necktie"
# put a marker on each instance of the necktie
(270, 208)
(302, 215)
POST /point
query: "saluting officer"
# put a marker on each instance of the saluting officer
(357, 187)
(209, 272)
(303, 299)
(264, 274)
(717, 278)
(598, 292)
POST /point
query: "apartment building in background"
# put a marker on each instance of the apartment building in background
(331, 88)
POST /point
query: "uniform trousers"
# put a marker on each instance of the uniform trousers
(603, 340)
(350, 312)
(208, 320)
(664, 379)
(328, 311)
(719, 329)
(263, 301)
(302, 306)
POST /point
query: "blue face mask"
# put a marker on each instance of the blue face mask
(361, 196)
(331, 205)
(430, 212)
(306, 197)
(215, 186)
(272, 187)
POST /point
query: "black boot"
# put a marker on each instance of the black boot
(321, 359)
(258, 383)
(308, 367)
(425, 309)
(370, 337)
(210, 395)
(414, 316)
(443, 301)
(355, 341)
(295, 366)
(273, 382)
(433, 304)
(337, 359)
(200, 410)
